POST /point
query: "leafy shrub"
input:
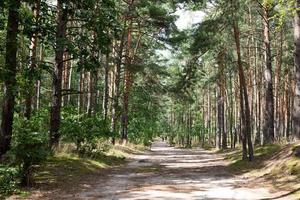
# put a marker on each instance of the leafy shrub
(30, 145)
(8, 177)
(83, 130)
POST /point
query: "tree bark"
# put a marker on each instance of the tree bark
(9, 76)
(62, 17)
(106, 87)
(115, 104)
(221, 137)
(90, 100)
(32, 65)
(268, 129)
(245, 110)
(296, 111)
(127, 83)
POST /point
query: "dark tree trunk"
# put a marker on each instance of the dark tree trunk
(245, 110)
(268, 129)
(9, 76)
(296, 111)
(57, 73)
(115, 104)
(127, 84)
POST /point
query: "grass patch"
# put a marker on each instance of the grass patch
(69, 172)
(276, 164)
(261, 154)
(72, 168)
(290, 166)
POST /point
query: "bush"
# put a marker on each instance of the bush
(8, 177)
(84, 131)
(29, 146)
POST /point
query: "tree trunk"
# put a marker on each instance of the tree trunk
(10, 76)
(66, 77)
(32, 65)
(222, 87)
(245, 111)
(106, 87)
(90, 100)
(268, 129)
(127, 83)
(38, 82)
(115, 104)
(62, 17)
(296, 111)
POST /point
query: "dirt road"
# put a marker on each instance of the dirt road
(169, 173)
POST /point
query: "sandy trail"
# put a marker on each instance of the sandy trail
(170, 173)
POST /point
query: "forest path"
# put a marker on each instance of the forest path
(170, 173)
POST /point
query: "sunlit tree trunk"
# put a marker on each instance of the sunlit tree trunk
(296, 111)
(268, 129)
(117, 77)
(222, 137)
(127, 83)
(245, 111)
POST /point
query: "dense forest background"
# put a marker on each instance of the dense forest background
(88, 72)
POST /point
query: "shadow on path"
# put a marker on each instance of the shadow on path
(169, 173)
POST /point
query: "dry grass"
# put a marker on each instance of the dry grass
(68, 172)
(274, 165)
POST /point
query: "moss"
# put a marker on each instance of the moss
(292, 166)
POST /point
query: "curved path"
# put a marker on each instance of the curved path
(169, 173)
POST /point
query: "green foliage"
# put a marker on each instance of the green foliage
(30, 145)
(8, 177)
(83, 130)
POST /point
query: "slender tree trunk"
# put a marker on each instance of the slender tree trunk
(257, 98)
(38, 82)
(268, 129)
(115, 104)
(245, 111)
(222, 137)
(230, 110)
(106, 87)
(66, 77)
(278, 90)
(32, 65)
(296, 111)
(127, 83)
(10, 76)
(62, 17)
(90, 100)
